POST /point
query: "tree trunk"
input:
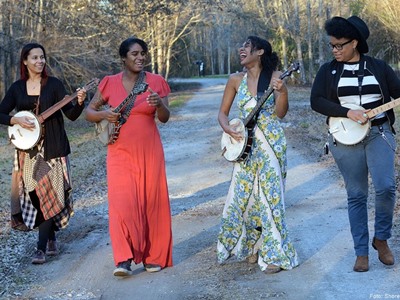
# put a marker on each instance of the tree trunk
(321, 33)
(298, 40)
(309, 43)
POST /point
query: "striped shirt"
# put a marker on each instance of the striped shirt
(348, 90)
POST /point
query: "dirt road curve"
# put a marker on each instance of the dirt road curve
(198, 181)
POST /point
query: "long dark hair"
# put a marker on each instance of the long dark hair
(269, 60)
(24, 56)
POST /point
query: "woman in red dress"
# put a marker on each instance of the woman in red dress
(139, 209)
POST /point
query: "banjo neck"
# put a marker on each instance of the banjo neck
(51, 110)
(380, 109)
(68, 98)
(250, 117)
(249, 120)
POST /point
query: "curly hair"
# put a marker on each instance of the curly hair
(340, 28)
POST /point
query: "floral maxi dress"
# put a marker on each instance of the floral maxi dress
(253, 219)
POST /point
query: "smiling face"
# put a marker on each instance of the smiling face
(249, 55)
(348, 51)
(35, 62)
(135, 58)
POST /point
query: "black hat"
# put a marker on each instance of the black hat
(363, 33)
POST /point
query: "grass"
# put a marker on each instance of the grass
(178, 101)
(181, 92)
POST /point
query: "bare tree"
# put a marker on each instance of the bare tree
(82, 36)
(383, 17)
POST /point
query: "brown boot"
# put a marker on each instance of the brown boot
(252, 259)
(384, 253)
(272, 269)
(361, 264)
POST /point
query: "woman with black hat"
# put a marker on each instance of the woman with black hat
(361, 139)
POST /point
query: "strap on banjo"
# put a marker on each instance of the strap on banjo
(125, 111)
(262, 86)
(360, 75)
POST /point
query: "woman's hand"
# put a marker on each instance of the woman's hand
(358, 115)
(278, 85)
(111, 116)
(154, 99)
(235, 131)
(280, 94)
(25, 122)
(81, 96)
(161, 104)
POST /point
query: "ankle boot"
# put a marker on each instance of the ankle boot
(384, 253)
(361, 264)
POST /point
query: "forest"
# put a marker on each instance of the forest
(82, 37)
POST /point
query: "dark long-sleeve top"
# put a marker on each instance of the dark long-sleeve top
(55, 141)
(324, 93)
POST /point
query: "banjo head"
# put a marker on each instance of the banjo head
(346, 131)
(233, 149)
(23, 138)
(104, 131)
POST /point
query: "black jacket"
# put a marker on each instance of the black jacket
(56, 143)
(324, 97)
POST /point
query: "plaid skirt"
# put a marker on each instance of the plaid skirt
(51, 182)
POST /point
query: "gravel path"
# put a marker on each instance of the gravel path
(198, 180)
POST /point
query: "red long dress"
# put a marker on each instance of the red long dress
(138, 200)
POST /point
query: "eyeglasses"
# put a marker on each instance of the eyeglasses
(338, 46)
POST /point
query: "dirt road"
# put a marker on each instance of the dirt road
(198, 181)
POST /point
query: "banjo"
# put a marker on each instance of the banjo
(349, 132)
(108, 132)
(25, 139)
(238, 151)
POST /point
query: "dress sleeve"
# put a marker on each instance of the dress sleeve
(165, 89)
(158, 84)
(103, 88)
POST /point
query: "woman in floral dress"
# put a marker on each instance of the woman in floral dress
(253, 223)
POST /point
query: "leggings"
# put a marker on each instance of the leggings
(46, 227)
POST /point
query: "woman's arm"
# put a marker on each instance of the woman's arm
(319, 96)
(93, 114)
(280, 95)
(161, 104)
(163, 112)
(226, 104)
(7, 105)
(76, 109)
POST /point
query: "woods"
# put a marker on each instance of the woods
(82, 36)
